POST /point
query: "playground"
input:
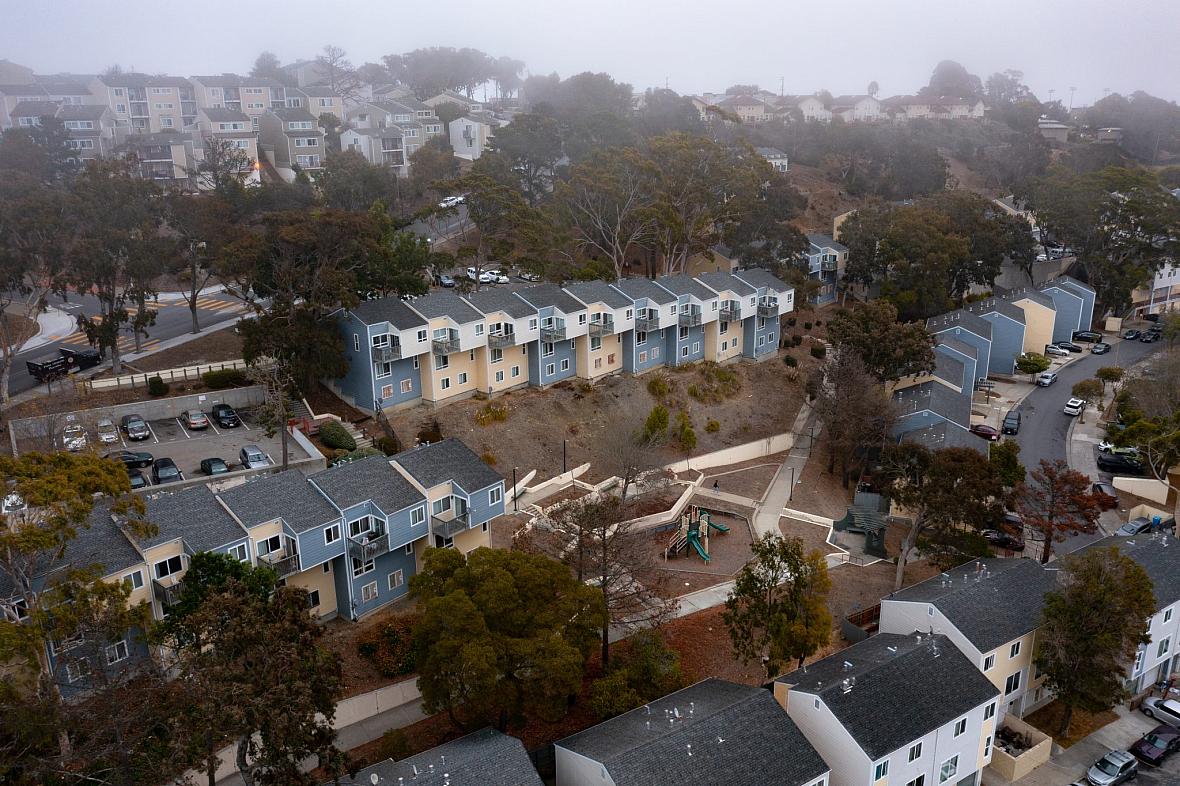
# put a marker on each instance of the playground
(705, 547)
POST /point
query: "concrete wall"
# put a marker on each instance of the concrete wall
(736, 454)
(1148, 488)
(1013, 768)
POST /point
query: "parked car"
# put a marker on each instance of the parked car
(1054, 351)
(195, 419)
(1011, 424)
(1106, 494)
(1149, 337)
(526, 276)
(1089, 336)
(1114, 768)
(1135, 526)
(138, 479)
(164, 470)
(453, 201)
(1004, 540)
(213, 466)
(252, 457)
(225, 416)
(1166, 710)
(446, 280)
(1109, 447)
(1074, 407)
(106, 430)
(1069, 346)
(498, 276)
(1101, 348)
(1123, 465)
(135, 427)
(985, 431)
(1156, 745)
(1131, 335)
(1046, 378)
(73, 436)
(131, 459)
(13, 503)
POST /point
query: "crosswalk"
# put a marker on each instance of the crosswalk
(206, 305)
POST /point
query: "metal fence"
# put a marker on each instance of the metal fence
(140, 380)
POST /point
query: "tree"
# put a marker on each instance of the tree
(435, 69)
(503, 635)
(1057, 502)
(1090, 392)
(1032, 363)
(889, 349)
(507, 224)
(339, 74)
(275, 411)
(1091, 627)
(646, 670)
(951, 79)
(631, 455)
(777, 612)
(1004, 458)
(201, 225)
(1171, 329)
(431, 164)
(1150, 406)
(531, 143)
(400, 270)
(505, 72)
(854, 409)
(665, 112)
(349, 182)
(1109, 374)
(267, 65)
(223, 167)
(942, 491)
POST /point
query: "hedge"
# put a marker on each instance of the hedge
(225, 378)
(335, 436)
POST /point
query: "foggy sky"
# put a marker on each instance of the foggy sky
(697, 46)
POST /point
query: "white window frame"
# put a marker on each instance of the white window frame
(1011, 687)
(168, 566)
(369, 592)
(119, 650)
(396, 579)
(881, 770)
(1014, 650)
(515, 372)
(915, 752)
(500, 375)
(495, 495)
(269, 545)
(989, 711)
(332, 533)
(461, 379)
(960, 727)
(362, 568)
(943, 774)
(550, 370)
(241, 552)
(1165, 646)
(565, 364)
(989, 662)
(134, 580)
(418, 516)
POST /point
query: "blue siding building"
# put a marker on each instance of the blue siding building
(1069, 305)
(1007, 323)
(964, 327)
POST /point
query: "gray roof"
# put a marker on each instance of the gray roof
(286, 495)
(34, 109)
(81, 111)
(686, 285)
(936, 397)
(101, 542)
(543, 295)
(22, 90)
(991, 601)
(192, 514)
(760, 277)
(598, 292)
(769, 152)
(288, 114)
(492, 299)
(948, 368)
(390, 132)
(636, 288)
(221, 80)
(482, 758)
(367, 479)
(448, 460)
(388, 309)
(993, 305)
(825, 241)
(317, 91)
(1073, 283)
(1028, 293)
(1157, 561)
(903, 689)
(943, 435)
(739, 735)
(962, 347)
(959, 318)
(719, 280)
(444, 304)
(221, 114)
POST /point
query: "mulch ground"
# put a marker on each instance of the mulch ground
(750, 482)
(213, 347)
(1082, 724)
(819, 492)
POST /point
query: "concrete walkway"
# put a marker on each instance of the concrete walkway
(52, 325)
(768, 513)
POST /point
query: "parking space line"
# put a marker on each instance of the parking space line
(152, 431)
(243, 422)
(215, 431)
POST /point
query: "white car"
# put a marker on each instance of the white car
(107, 431)
(1052, 350)
(73, 436)
(1109, 447)
(453, 201)
(498, 276)
(1074, 407)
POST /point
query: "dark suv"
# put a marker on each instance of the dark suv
(225, 416)
(135, 427)
(1119, 463)
(1011, 423)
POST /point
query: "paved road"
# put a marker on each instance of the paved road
(172, 319)
(446, 227)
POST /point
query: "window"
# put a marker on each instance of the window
(240, 552)
(640, 337)
(597, 363)
(169, 566)
(714, 305)
(696, 347)
(724, 345)
(121, 108)
(546, 349)
(724, 328)
(684, 352)
(989, 711)
(1138, 662)
(361, 568)
(582, 318)
(881, 770)
(655, 352)
(166, 122)
(441, 362)
(445, 383)
(915, 752)
(134, 580)
(313, 598)
(120, 91)
(461, 379)
(421, 336)
(1013, 683)
(550, 370)
(628, 314)
(595, 343)
(495, 495)
(515, 372)
(361, 526)
(306, 141)
(533, 323)
(331, 534)
(989, 661)
(565, 365)
(327, 566)
(161, 91)
(443, 543)
(499, 376)
(369, 592)
(683, 333)
(409, 549)
(471, 356)
(356, 343)
(642, 357)
(918, 781)
(672, 311)
(117, 652)
(441, 506)
(1014, 650)
(960, 727)
(269, 545)
(987, 746)
(417, 516)
(1165, 645)
(479, 329)
(949, 769)
(77, 669)
(395, 579)
(1168, 616)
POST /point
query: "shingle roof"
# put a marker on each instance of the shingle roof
(991, 601)
(482, 758)
(22, 90)
(100, 543)
(937, 398)
(225, 115)
(192, 514)
(448, 460)
(493, 299)
(221, 80)
(445, 304)
(686, 285)
(1072, 283)
(1028, 293)
(34, 109)
(760, 277)
(636, 288)
(825, 241)
(388, 309)
(65, 88)
(948, 368)
(367, 479)
(993, 305)
(286, 495)
(961, 319)
(943, 435)
(720, 280)
(739, 735)
(288, 114)
(769, 152)
(598, 292)
(81, 111)
(903, 688)
(317, 91)
(962, 347)
(542, 295)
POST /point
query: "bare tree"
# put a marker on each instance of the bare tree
(276, 406)
(223, 166)
(630, 456)
(340, 75)
(855, 412)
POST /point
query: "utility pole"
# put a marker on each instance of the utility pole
(1071, 92)
(782, 85)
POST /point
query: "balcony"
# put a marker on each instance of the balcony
(690, 318)
(501, 340)
(768, 307)
(554, 332)
(387, 353)
(167, 594)
(645, 323)
(829, 266)
(369, 545)
(730, 312)
(283, 566)
(446, 346)
(449, 528)
(602, 327)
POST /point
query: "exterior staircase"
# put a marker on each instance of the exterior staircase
(362, 440)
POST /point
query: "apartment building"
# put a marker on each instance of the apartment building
(481, 758)
(166, 157)
(471, 135)
(417, 122)
(144, 104)
(442, 346)
(907, 710)
(251, 95)
(776, 158)
(1162, 293)
(379, 146)
(228, 126)
(319, 100)
(296, 139)
(826, 260)
(713, 732)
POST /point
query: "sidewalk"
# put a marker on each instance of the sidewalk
(770, 510)
(52, 325)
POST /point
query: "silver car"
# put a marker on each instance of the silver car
(1113, 768)
(1166, 710)
(107, 431)
(252, 457)
(73, 436)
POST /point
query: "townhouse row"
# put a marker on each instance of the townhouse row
(351, 536)
(445, 346)
(763, 106)
(982, 339)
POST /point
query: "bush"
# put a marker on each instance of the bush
(818, 351)
(791, 321)
(796, 340)
(712, 427)
(789, 361)
(354, 455)
(491, 413)
(695, 392)
(643, 668)
(157, 386)
(656, 424)
(807, 326)
(335, 436)
(390, 646)
(225, 378)
(488, 458)
(685, 436)
(818, 322)
(387, 445)
(658, 387)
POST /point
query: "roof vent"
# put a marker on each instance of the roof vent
(690, 749)
(720, 740)
(847, 665)
(847, 684)
(892, 649)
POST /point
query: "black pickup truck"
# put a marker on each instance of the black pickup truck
(67, 361)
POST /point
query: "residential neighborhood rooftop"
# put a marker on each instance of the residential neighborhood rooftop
(994, 305)
(598, 292)
(686, 285)
(546, 295)
(482, 758)
(449, 460)
(637, 288)
(937, 398)
(825, 241)
(492, 299)
(444, 304)
(388, 309)
(943, 435)
(960, 318)
(191, 514)
(760, 277)
(284, 495)
(368, 478)
(719, 280)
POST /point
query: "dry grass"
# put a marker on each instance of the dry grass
(213, 347)
(1081, 725)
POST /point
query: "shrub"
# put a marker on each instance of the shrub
(157, 386)
(225, 378)
(387, 445)
(354, 455)
(643, 669)
(430, 433)
(685, 436)
(818, 322)
(488, 457)
(390, 646)
(585, 388)
(658, 386)
(491, 413)
(796, 340)
(791, 321)
(789, 361)
(656, 424)
(712, 427)
(334, 435)
(807, 326)
(695, 392)
(818, 351)
(394, 745)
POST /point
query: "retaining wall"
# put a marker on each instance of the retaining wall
(737, 454)
(140, 380)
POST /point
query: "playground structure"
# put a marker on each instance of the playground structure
(690, 534)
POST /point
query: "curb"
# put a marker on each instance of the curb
(55, 333)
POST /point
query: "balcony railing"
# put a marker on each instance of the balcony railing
(690, 318)
(730, 312)
(445, 346)
(829, 266)
(501, 340)
(387, 353)
(768, 307)
(284, 566)
(167, 594)
(369, 545)
(603, 327)
(555, 332)
(449, 528)
(648, 323)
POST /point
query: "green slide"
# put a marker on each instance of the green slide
(694, 540)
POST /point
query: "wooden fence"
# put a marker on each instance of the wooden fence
(140, 380)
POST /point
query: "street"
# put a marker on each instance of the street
(446, 226)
